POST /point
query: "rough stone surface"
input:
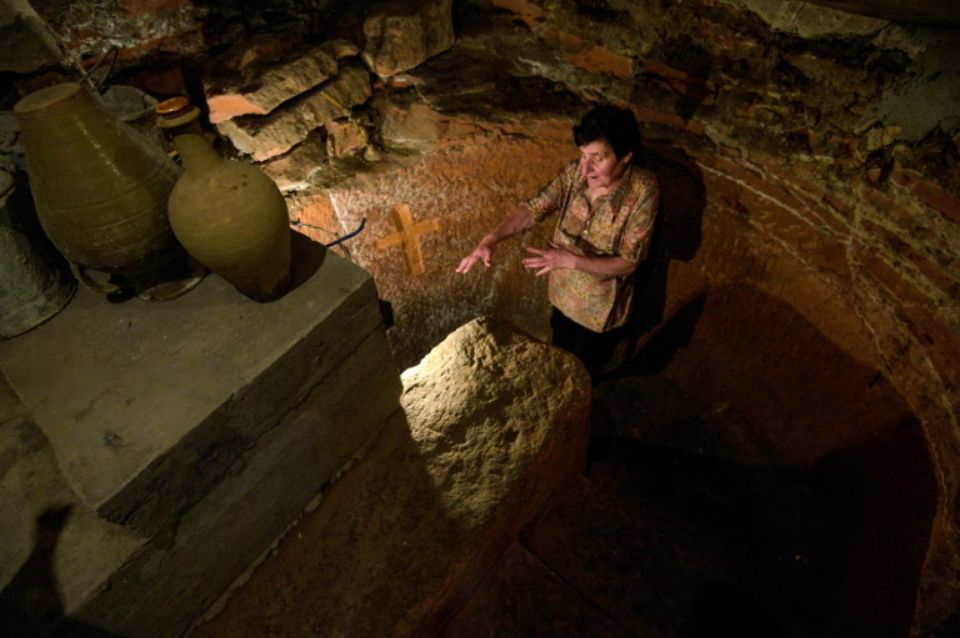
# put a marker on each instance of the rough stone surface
(811, 21)
(401, 35)
(927, 101)
(295, 170)
(494, 423)
(125, 447)
(338, 48)
(932, 12)
(345, 138)
(89, 31)
(28, 44)
(267, 136)
(260, 50)
(259, 90)
(467, 189)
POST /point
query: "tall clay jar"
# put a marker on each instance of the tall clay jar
(227, 214)
(100, 188)
(34, 281)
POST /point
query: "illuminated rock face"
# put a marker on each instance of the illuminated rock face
(493, 423)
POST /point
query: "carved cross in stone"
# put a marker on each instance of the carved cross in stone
(408, 237)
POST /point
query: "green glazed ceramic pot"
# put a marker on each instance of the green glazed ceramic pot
(35, 283)
(100, 187)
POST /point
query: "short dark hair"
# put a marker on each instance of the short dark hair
(616, 126)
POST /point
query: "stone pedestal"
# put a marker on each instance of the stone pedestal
(199, 429)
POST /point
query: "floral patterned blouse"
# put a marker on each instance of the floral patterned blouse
(617, 224)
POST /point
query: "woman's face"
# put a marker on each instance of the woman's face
(599, 165)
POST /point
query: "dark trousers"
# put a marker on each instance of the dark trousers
(594, 349)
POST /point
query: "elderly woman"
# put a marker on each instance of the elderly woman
(606, 205)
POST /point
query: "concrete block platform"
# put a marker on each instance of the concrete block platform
(198, 429)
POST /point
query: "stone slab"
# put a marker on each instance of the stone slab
(148, 405)
(260, 89)
(276, 133)
(100, 578)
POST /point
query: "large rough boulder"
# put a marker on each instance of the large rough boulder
(495, 422)
(401, 35)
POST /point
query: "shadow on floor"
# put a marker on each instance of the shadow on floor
(669, 542)
(31, 605)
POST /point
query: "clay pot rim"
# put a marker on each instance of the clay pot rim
(42, 99)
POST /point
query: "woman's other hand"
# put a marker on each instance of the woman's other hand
(553, 258)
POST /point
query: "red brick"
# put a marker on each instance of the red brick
(670, 120)
(936, 275)
(682, 82)
(886, 275)
(938, 199)
(602, 61)
(137, 8)
(927, 191)
(878, 198)
(561, 39)
(530, 13)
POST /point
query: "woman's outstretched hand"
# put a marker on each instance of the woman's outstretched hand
(483, 252)
(553, 258)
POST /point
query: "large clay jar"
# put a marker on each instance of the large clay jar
(100, 188)
(34, 281)
(227, 214)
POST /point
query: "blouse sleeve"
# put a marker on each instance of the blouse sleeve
(552, 197)
(635, 242)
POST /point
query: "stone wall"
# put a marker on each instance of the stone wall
(809, 159)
